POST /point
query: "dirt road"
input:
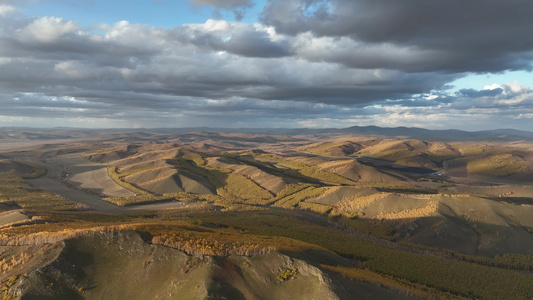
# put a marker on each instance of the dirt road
(88, 175)
(82, 172)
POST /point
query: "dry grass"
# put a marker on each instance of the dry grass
(116, 177)
(355, 203)
(210, 243)
(318, 208)
(414, 213)
(338, 147)
(11, 262)
(144, 199)
(498, 165)
(296, 169)
(374, 278)
(193, 239)
(14, 190)
(273, 184)
(233, 188)
(293, 200)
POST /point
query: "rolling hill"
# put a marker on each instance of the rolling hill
(256, 214)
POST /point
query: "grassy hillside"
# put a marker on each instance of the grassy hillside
(427, 273)
(87, 267)
(244, 216)
(25, 169)
(498, 165)
(16, 193)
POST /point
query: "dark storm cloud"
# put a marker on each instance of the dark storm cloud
(321, 62)
(191, 61)
(455, 35)
(242, 40)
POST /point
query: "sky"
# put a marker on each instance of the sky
(433, 64)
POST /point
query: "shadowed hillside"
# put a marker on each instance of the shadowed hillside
(121, 265)
(244, 215)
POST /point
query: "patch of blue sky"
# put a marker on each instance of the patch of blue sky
(164, 13)
(480, 81)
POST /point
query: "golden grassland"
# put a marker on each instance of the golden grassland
(356, 202)
(316, 207)
(407, 214)
(232, 187)
(145, 199)
(481, 159)
(135, 171)
(244, 218)
(473, 150)
(298, 170)
(315, 175)
(498, 165)
(443, 274)
(269, 182)
(204, 231)
(293, 200)
(324, 148)
(187, 235)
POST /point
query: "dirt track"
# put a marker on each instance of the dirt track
(88, 175)
(82, 173)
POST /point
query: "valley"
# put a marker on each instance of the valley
(256, 215)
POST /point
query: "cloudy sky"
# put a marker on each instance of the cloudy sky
(277, 63)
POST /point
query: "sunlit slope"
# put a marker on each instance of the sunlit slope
(147, 168)
(247, 177)
(464, 222)
(272, 183)
(408, 152)
(358, 172)
(460, 160)
(360, 178)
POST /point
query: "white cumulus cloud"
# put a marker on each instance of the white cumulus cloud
(47, 30)
(6, 9)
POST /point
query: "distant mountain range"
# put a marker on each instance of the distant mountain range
(12, 133)
(451, 134)
(397, 132)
